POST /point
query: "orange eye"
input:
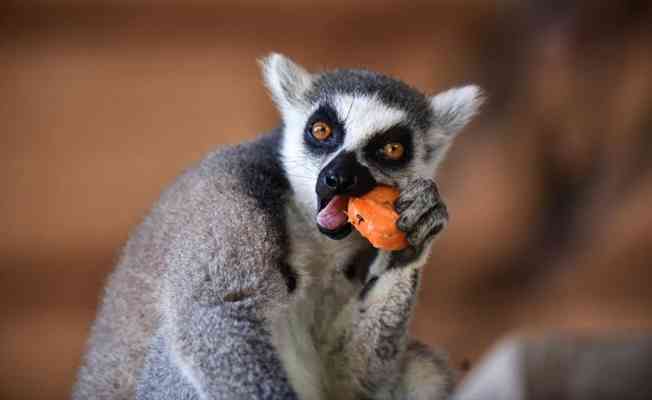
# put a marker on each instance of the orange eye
(321, 131)
(393, 151)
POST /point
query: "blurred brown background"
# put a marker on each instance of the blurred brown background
(104, 102)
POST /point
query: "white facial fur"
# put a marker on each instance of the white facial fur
(363, 116)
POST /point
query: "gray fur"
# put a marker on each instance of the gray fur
(176, 275)
(160, 378)
(227, 290)
(426, 373)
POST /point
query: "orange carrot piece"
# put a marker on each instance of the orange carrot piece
(373, 215)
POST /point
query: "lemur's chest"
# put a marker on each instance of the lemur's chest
(324, 287)
(301, 333)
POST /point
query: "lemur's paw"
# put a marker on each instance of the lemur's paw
(423, 213)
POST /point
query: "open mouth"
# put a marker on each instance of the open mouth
(332, 220)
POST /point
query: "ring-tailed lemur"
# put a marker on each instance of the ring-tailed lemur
(233, 287)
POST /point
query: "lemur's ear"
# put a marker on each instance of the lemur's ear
(454, 108)
(288, 82)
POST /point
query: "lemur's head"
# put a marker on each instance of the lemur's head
(347, 131)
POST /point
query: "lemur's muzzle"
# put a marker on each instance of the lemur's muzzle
(344, 176)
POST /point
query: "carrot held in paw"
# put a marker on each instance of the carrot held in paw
(374, 216)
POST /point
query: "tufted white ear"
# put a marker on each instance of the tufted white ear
(454, 108)
(288, 82)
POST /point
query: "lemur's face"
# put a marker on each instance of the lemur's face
(349, 130)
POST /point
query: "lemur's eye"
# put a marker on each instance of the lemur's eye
(321, 131)
(393, 151)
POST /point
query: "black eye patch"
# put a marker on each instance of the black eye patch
(326, 114)
(373, 151)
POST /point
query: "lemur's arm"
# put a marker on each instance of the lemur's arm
(371, 334)
(223, 279)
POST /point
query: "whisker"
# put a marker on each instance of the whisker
(346, 119)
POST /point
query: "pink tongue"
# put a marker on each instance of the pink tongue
(332, 216)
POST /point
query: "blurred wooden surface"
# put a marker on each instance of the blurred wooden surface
(102, 104)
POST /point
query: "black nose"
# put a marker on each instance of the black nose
(344, 175)
(340, 182)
